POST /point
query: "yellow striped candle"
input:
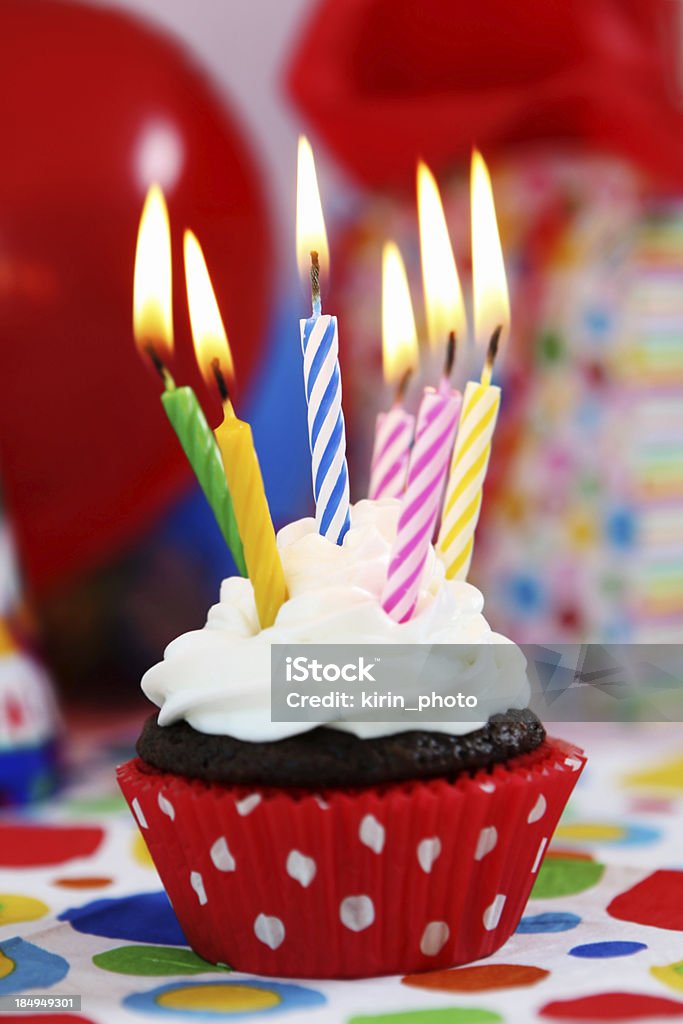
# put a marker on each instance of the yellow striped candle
(250, 504)
(467, 474)
(481, 401)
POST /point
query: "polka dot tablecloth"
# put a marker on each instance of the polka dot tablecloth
(82, 913)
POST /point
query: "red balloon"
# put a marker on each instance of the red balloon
(387, 81)
(95, 106)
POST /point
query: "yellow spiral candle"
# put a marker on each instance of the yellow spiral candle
(467, 474)
(250, 505)
(235, 442)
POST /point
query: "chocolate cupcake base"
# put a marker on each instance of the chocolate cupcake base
(327, 757)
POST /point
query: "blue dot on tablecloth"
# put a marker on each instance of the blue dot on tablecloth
(26, 966)
(146, 917)
(602, 950)
(552, 921)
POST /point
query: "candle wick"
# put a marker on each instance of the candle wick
(159, 366)
(315, 283)
(449, 362)
(491, 355)
(402, 386)
(220, 381)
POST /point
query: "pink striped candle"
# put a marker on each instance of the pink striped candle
(393, 437)
(437, 421)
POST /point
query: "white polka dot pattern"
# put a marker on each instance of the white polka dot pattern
(269, 930)
(427, 852)
(166, 807)
(301, 868)
(491, 915)
(197, 883)
(434, 938)
(488, 837)
(372, 833)
(357, 913)
(539, 855)
(221, 856)
(247, 805)
(538, 810)
(137, 811)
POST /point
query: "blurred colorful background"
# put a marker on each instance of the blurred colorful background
(578, 110)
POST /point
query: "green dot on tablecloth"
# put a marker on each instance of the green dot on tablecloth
(447, 1015)
(153, 961)
(565, 876)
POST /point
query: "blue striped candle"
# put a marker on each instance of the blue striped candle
(327, 436)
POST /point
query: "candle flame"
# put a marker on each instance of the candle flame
(491, 300)
(208, 332)
(310, 224)
(399, 334)
(152, 282)
(443, 294)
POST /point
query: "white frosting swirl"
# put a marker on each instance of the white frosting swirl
(218, 678)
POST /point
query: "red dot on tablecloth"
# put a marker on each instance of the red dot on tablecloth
(656, 901)
(651, 805)
(46, 1018)
(23, 846)
(621, 1006)
(481, 978)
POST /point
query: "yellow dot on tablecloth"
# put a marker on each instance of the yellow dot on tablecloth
(219, 998)
(665, 777)
(15, 908)
(671, 975)
(6, 965)
(140, 852)
(591, 832)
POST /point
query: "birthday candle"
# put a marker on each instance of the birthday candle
(243, 472)
(394, 429)
(153, 328)
(322, 377)
(468, 472)
(436, 423)
(444, 305)
(235, 442)
(199, 444)
(393, 437)
(480, 408)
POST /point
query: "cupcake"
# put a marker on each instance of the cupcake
(349, 848)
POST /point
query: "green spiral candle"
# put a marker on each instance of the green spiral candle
(200, 447)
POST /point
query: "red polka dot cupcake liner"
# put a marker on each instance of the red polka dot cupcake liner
(352, 883)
